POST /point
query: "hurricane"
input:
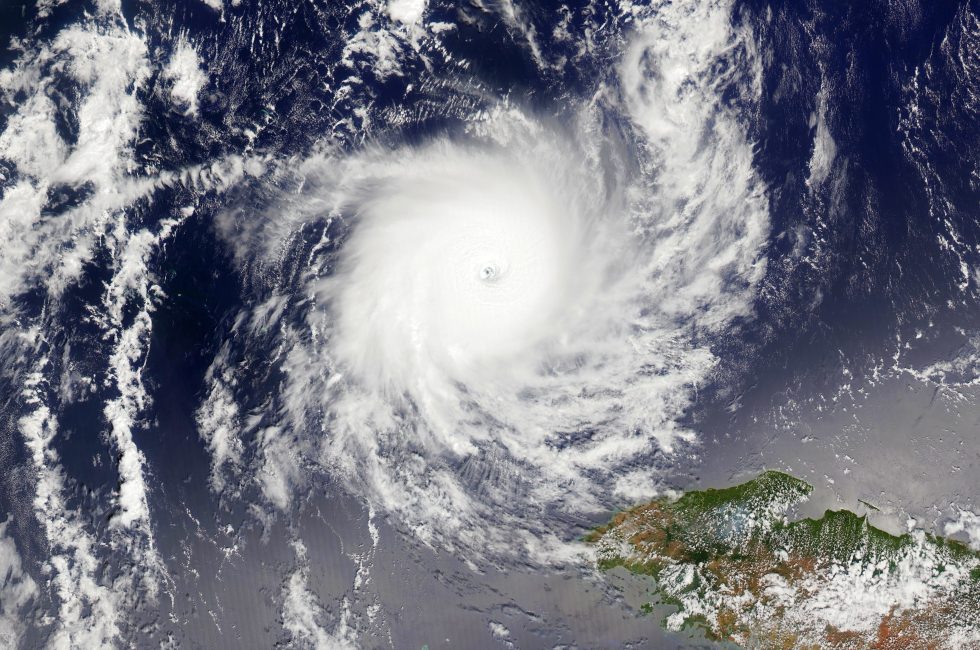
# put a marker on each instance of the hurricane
(521, 312)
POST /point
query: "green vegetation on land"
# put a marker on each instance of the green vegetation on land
(736, 566)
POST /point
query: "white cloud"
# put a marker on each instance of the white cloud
(406, 11)
(517, 21)
(89, 612)
(17, 591)
(303, 616)
(280, 470)
(824, 147)
(31, 140)
(219, 422)
(186, 76)
(107, 65)
(501, 633)
(131, 284)
(121, 413)
(967, 523)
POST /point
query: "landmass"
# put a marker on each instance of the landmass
(736, 566)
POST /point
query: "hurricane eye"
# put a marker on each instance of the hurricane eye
(489, 272)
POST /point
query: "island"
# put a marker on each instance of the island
(735, 565)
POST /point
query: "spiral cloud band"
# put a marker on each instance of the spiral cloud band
(509, 323)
